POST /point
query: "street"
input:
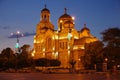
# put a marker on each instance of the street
(40, 76)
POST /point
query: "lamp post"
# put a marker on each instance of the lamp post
(17, 42)
(17, 48)
(105, 64)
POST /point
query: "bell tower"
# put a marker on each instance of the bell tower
(45, 15)
(44, 24)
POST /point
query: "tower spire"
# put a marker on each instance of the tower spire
(85, 25)
(45, 5)
(65, 10)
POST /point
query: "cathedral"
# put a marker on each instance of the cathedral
(64, 44)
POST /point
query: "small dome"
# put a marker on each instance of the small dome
(45, 9)
(85, 28)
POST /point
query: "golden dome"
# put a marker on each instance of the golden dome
(85, 28)
(65, 15)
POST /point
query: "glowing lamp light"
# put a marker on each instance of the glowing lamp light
(22, 35)
(82, 47)
(106, 59)
(11, 34)
(18, 32)
(33, 55)
(61, 21)
(17, 45)
(73, 18)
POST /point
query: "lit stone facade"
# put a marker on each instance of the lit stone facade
(64, 44)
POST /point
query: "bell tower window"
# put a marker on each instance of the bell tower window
(45, 17)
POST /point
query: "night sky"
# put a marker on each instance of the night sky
(24, 15)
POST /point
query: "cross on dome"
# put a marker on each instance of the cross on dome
(84, 25)
(65, 10)
(45, 5)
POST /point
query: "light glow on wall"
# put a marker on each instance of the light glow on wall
(82, 47)
(33, 53)
(53, 48)
(53, 38)
(68, 52)
(56, 55)
(43, 49)
(43, 54)
(52, 53)
(68, 47)
(75, 47)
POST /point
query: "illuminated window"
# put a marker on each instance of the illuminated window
(45, 17)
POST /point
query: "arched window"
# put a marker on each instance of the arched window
(49, 46)
(45, 17)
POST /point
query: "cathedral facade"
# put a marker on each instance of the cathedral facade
(64, 44)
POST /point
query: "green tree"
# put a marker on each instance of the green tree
(55, 62)
(72, 63)
(7, 58)
(93, 54)
(24, 59)
(111, 37)
(43, 62)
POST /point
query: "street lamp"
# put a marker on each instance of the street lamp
(105, 64)
(106, 59)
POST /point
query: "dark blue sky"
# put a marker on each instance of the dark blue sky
(24, 15)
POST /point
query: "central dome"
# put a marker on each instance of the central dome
(65, 16)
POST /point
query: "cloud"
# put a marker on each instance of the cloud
(25, 34)
(5, 27)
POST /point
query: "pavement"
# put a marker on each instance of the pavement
(41, 76)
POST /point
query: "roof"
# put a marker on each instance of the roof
(65, 16)
(85, 28)
(45, 9)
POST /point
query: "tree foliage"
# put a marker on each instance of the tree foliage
(93, 54)
(24, 59)
(43, 62)
(7, 58)
(111, 37)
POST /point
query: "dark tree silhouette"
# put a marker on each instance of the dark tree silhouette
(42, 62)
(93, 54)
(7, 58)
(24, 59)
(111, 37)
(55, 62)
